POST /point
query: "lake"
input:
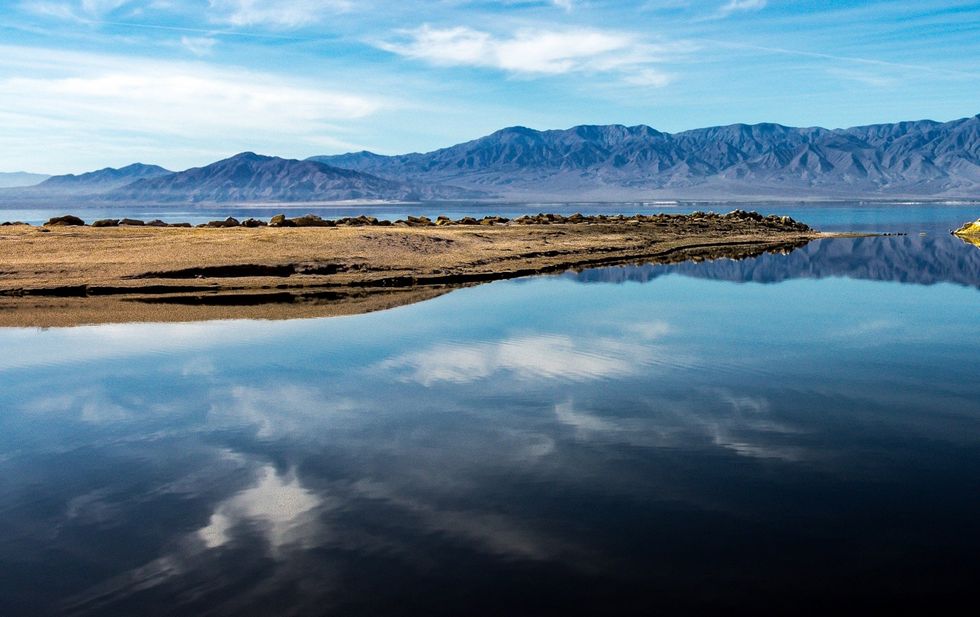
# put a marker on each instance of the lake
(788, 433)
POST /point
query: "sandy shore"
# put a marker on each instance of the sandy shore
(59, 276)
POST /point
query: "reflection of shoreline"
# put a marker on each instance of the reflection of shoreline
(78, 275)
(908, 259)
(309, 302)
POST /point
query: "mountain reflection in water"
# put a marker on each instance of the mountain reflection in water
(920, 260)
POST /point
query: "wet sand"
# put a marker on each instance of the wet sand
(63, 276)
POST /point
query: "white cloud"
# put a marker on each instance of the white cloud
(100, 7)
(528, 357)
(51, 99)
(528, 51)
(863, 77)
(579, 420)
(648, 78)
(30, 347)
(198, 45)
(734, 6)
(649, 330)
(275, 13)
(285, 410)
(82, 10)
(277, 504)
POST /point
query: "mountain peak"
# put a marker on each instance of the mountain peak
(613, 162)
(101, 180)
(250, 156)
(250, 177)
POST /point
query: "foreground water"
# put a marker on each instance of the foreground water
(788, 433)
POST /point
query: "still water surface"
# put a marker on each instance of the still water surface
(790, 433)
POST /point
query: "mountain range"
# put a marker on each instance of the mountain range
(249, 177)
(915, 159)
(920, 159)
(101, 181)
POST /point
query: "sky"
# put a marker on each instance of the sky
(86, 84)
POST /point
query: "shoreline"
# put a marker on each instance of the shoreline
(73, 275)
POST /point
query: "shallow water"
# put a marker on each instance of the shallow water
(786, 433)
(857, 216)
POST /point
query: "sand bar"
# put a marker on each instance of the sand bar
(70, 275)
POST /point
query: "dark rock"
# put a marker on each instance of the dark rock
(106, 223)
(62, 221)
(360, 221)
(180, 225)
(280, 220)
(253, 223)
(311, 220)
(228, 222)
(419, 221)
(135, 222)
(157, 223)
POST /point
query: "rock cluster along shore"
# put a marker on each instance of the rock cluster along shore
(312, 220)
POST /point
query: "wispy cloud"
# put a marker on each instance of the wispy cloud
(735, 6)
(852, 59)
(863, 77)
(157, 100)
(539, 52)
(648, 78)
(198, 45)
(275, 13)
(81, 10)
(527, 51)
(527, 357)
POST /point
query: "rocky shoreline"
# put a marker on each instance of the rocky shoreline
(312, 220)
(68, 273)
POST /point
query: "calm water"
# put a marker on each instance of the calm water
(831, 215)
(791, 433)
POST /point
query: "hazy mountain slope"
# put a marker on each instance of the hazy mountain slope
(921, 158)
(17, 179)
(100, 181)
(252, 177)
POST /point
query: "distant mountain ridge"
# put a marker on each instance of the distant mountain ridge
(918, 159)
(250, 177)
(921, 159)
(18, 179)
(101, 180)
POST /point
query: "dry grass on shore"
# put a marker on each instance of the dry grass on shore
(65, 275)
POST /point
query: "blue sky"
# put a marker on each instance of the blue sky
(86, 84)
